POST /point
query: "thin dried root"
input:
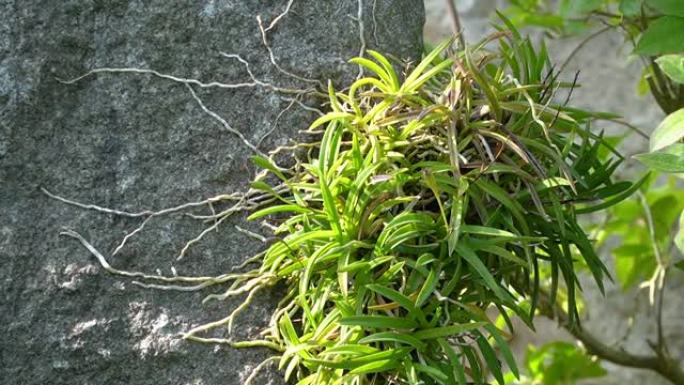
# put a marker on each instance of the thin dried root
(200, 236)
(143, 213)
(242, 205)
(237, 277)
(247, 201)
(362, 37)
(238, 344)
(272, 87)
(130, 274)
(151, 214)
(304, 106)
(251, 260)
(293, 147)
(258, 368)
(280, 16)
(190, 81)
(160, 75)
(242, 307)
(275, 122)
(251, 285)
(130, 235)
(95, 207)
(251, 234)
(271, 56)
(227, 321)
(223, 122)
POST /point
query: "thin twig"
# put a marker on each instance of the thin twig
(375, 24)
(581, 45)
(657, 283)
(455, 22)
(659, 363)
(632, 127)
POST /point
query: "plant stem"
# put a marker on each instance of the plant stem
(659, 363)
(582, 44)
(455, 21)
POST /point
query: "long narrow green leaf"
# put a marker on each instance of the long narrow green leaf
(378, 322)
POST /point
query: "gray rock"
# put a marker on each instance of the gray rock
(135, 141)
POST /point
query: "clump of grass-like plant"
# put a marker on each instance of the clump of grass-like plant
(425, 203)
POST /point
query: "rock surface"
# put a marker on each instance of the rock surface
(136, 141)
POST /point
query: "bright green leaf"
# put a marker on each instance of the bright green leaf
(669, 131)
(445, 331)
(669, 160)
(630, 7)
(570, 8)
(663, 36)
(394, 337)
(673, 66)
(632, 263)
(561, 363)
(668, 7)
(679, 237)
(376, 366)
(378, 322)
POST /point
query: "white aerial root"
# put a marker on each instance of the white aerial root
(257, 281)
(223, 122)
(245, 201)
(271, 54)
(160, 75)
(280, 16)
(144, 213)
(228, 321)
(251, 234)
(255, 82)
(275, 122)
(203, 233)
(362, 37)
(375, 24)
(189, 82)
(243, 204)
(258, 368)
(251, 282)
(304, 106)
(128, 236)
(261, 83)
(130, 274)
(238, 344)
